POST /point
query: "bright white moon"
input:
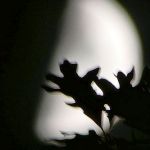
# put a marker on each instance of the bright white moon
(95, 33)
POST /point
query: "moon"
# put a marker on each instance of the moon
(95, 33)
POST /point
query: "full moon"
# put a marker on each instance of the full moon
(95, 33)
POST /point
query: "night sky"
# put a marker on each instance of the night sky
(28, 31)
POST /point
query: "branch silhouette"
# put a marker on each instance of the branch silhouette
(127, 101)
(79, 88)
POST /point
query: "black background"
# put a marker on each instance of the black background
(28, 30)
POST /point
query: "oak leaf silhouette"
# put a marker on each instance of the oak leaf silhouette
(79, 88)
(127, 101)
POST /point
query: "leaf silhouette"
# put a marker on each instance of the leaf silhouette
(79, 88)
(127, 101)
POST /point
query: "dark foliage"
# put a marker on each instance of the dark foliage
(131, 103)
(79, 88)
(93, 141)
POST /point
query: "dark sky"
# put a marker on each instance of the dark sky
(140, 12)
(28, 30)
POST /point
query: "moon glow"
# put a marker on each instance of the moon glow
(95, 33)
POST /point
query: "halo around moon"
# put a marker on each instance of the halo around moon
(95, 33)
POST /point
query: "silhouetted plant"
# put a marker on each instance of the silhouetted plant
(125, 101)
(79, 88)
